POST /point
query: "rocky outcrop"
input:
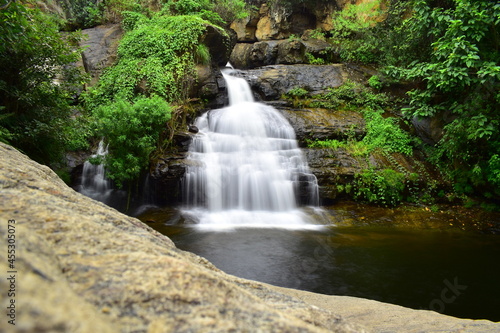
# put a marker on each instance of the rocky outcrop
(83, 267)
(322, 124)
(337, 167)
(170, 168)
(271, 82)
(209, 83)
(219, 44)
(100, 51)
(99, 48)
(280, 20)
(273, 52)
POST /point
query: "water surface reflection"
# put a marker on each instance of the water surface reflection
(443, 269)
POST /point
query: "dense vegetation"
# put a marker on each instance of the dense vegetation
(384, 136)
(449, 50)
(43, 110)
(156, 59)
(37, 87)
(446, 51)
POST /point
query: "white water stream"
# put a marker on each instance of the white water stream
(245, 167)
(94, 183)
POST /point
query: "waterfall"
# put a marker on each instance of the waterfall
(94, 183)
(246, 168)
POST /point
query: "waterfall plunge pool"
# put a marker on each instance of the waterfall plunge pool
(417, 259)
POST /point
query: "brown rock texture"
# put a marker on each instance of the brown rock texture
(83, 267)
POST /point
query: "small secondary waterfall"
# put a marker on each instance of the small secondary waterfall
(94, 183)
(246, 168)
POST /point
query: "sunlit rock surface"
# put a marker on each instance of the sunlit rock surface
(83, 267)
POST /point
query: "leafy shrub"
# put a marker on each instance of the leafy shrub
(460, 74)
(132, 131)
(381, 132)
(157, 57)
(352, 28)
(311, 59)
(188, 7)
(384, 187)
(385, 133)
(297, 92)
(132, 19)
(202, 55)
(219, 12)
(352, 94)
(35, 111)
(334, 144)
(374, 82)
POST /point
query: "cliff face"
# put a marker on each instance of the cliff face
(274, 65)
(83, 267)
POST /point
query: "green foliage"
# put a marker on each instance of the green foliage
(311, 59)
(132, 131)
(157, 57)
(188, 7)
(80, 131)
(83, 13)
(382, 132)
(460, 74)
(297, 92)
(132, 20)
(353, 95)
(374, 82)
(384, 187)
(332, 143)
(37, 82)
(297, 95)
(318, 34)
(156, 66)
(353, 28)
(220, 12)
(385, 133)
(375, 32)
(202, 55)
(231, 10)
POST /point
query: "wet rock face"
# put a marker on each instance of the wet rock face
(271, 82)
(282, 20)
(100, 48)
(324, 124)
(170, 169)
(219, 45)
(87, 268)
(273, 52)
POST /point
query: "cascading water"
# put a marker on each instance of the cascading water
(246, 167)
(94, 183)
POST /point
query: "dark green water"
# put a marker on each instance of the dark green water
(447, 270)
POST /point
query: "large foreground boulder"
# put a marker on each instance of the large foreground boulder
(83, 267)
